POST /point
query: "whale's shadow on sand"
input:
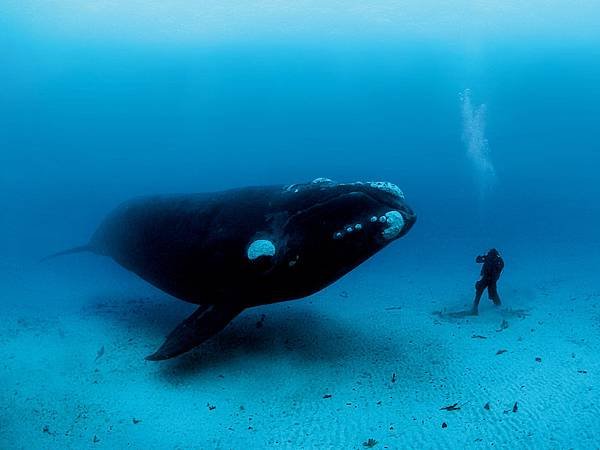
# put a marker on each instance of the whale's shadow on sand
(295, 331)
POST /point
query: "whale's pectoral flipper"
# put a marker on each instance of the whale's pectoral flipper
(205, 322)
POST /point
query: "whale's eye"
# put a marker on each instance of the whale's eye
(260, 247)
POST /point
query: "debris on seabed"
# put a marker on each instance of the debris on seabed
(370, 443)
(100, 353)
(503, 325)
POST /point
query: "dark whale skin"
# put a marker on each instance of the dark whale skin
(200, 248)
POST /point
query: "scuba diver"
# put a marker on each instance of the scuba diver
(490, 273)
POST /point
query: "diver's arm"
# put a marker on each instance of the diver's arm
(480, 259)
(500, 265)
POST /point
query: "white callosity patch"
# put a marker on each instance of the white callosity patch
(387, 187)
(295, 188)
(395, 223)
(261, 247)
(348, 229)
(322, 181)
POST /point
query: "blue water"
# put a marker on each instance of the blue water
(86, 126)
(92, 115)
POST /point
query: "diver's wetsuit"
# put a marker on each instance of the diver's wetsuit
(490, 273)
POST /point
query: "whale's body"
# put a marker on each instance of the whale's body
(230, 250)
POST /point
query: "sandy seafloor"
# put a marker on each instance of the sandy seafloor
(319, 372)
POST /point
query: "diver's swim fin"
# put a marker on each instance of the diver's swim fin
(205, 322)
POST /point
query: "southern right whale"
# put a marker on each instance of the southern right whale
(231, 250)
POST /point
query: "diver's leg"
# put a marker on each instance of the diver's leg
(493, 293)
(479, 288)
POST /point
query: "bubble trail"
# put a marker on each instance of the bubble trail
(477, 147)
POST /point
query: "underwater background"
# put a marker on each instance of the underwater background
(486, 114)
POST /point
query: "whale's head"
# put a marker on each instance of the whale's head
(360, 214)
(331, 228)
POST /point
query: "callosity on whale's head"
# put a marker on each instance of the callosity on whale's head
(331, 229)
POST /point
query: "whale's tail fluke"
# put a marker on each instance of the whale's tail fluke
(79, 249)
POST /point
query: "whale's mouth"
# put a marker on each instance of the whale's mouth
(376, 208)
(380, 191)
(384, 186)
